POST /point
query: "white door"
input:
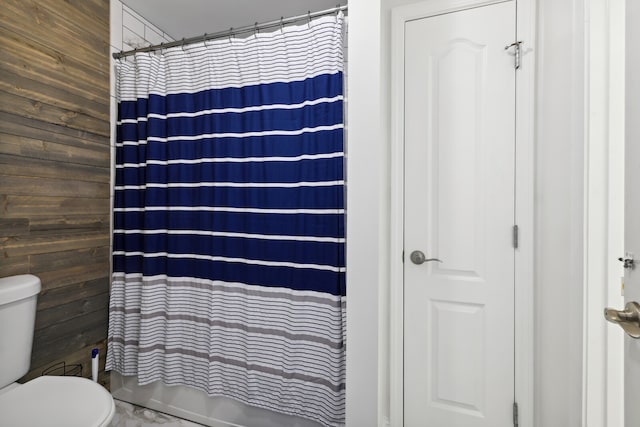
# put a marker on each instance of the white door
(459, 208)
(632, 208)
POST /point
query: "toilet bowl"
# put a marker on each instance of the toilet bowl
(47, 401)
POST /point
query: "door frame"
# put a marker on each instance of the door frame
(524, 209)
(603, 376)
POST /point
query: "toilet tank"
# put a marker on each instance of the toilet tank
(18, 297)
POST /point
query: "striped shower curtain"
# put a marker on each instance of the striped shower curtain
(228, 233)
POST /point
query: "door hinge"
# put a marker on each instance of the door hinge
(515, 414)
(517, 52)
(515, 237)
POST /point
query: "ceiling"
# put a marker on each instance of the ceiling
(189, 18)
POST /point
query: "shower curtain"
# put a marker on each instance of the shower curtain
(228, 232)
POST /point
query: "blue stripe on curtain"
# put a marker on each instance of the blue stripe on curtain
(326, 197)
(291, 93)
(299, 279)
(310, 170)
(331, 225)
(322, 142)
(323, 254)
(228, 223)
(312, 116)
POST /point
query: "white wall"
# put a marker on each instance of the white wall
(366, 218)
(559, 266)
(560, 121)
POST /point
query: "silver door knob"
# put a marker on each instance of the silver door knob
(628, 319)
(627, 262)
(417, 257)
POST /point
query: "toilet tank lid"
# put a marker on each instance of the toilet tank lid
(15, 288)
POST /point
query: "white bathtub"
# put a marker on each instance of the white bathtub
(196, 406)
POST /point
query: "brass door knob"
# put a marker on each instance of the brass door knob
(628, 319)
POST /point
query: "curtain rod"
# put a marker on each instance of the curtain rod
(231, 32)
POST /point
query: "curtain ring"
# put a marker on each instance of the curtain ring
(204, 39)
(308, 19)
(230, 34)
(282, 24)
(255, 30)
(183, 43)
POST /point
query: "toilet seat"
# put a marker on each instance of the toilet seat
(51, 401)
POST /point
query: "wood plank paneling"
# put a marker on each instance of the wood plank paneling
(19, 206)
(45, 186)
(75, 275)
(70, 224)
(37, 20)
(14, 265)
(71, 310)
(54, 69)
(40, 91)
(13, 227)
(21, 165)
(13, 124)
(55, 170)
(26, 147)
(48, 243)
(62, 338)
(80, 357)
(57, 296)
(55, 261)
(37, 110)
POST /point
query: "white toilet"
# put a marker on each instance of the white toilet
(47, 401)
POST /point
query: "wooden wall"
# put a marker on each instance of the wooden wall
(55, 169)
